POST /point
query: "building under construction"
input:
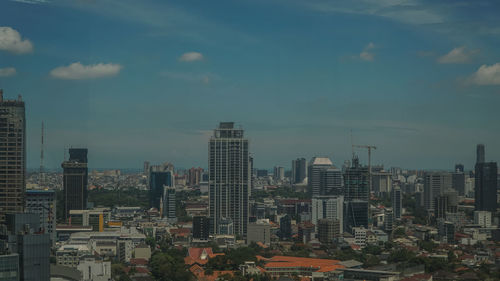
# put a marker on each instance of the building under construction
(12, 156)
(75, 177)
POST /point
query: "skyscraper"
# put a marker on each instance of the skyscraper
(486, 187)
(229, 178)
(328, 207)
(480, 153)
(279, 173)
(356, 182)
(397, 202)
(435, 183)
(169, 204)
(299, 170)
(324, 178)
(43, 202)
(160, 176)
(12, 156)
(75, 177)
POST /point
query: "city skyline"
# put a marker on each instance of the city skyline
(415, 78)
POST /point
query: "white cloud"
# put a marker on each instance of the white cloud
(31, 1)
(191, 56)
(486, 75)
(7, 71)
(458, 55)
(366, 55)
(78, 71)
(11, 41)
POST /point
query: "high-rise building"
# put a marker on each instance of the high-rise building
(279, 173)
(75, 177)
(229, 178)
(146, 168)
(43, 202)
(486, 187)
(482, 218)
(169, 204)
(286, 227)
(397, 202)
(12, 156)
(328, 207)
(381, 182)
(458, 182)
(201, 228)
(480, 155)
(356, 214)
(356, 182)
(299, 170)
(9, 267)
(388, 220)
(194, 176)
(459, 168)
(33, 247)
(486, 177)
(316, 165)
(435, 183)
(160, 176)
(259, 231)
(328, 230)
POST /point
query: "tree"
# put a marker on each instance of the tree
(169, 266)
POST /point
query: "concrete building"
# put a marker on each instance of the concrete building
(285, 227)
(279, 173)
(328, 207)
(388, 220)
(69, 255)
(96, 218)
(142, 251)
(328, 230)
(482, 218)
(12, 156)
(299, 171)
(435, 183)
(201, 228)
(359, 236)
(323, 177)
(229, 178)
(259, 231)
(43, 202)
(356, 182)
(75, 180)
(9, 267)
(397, 202)
(169, 209)
(32, 247)
(381, 182)
(94, 269)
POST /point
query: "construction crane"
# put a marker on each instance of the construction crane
(369, 147)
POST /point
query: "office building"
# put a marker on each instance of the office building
(169, 210)
(435, 183)
(9, 267)
(356, 182)
(328, 230)
(12, 156)
(328, 207)
(480, 154)
(75, 177)
(286, 227)
(482, 218)
(381, 182)
(388, 220)
(201, 228)
(486, 187)
(324, 178)
(459, 168)
(356, 214)
(229, 177)
(95, 218)
(279, 173)
(259, 231)
(194, 176)
(359, 236)
(32, 246)
(299, 171)
(43, 203)
(160, 176)
(458, 182)
(397, 202)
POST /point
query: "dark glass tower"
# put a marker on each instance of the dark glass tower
(157, 183)
(229, 178)
(12, 156)
(486, 178)
(75, 179)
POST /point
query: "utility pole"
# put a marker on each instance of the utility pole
(369, 147)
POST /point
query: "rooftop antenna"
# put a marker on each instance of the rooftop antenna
(41, 175)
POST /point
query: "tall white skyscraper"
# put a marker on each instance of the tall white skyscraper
(229, 179)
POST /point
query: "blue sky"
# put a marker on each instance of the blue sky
(149, 80)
